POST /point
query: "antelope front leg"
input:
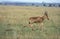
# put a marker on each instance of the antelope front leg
(31, 25)
(41, 26)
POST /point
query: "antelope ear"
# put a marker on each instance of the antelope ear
(46, 13)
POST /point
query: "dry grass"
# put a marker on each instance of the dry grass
(16, 17)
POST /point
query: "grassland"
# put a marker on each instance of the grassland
(16, 17)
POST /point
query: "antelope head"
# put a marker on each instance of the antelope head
(46, 15)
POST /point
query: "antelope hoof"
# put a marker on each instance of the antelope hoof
(32, 29)
(24, 26)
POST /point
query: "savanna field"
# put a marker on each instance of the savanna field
(14, 18)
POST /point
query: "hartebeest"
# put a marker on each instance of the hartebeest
(38, 19)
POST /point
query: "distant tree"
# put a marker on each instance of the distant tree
(0, 3)
(53, 4)
(50, 5)
(44, 5)
(37, 5)
(59, 5)
(33, 4)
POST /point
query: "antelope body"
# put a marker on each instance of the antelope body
(38, 19)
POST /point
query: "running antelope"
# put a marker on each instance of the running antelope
(38, 20)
